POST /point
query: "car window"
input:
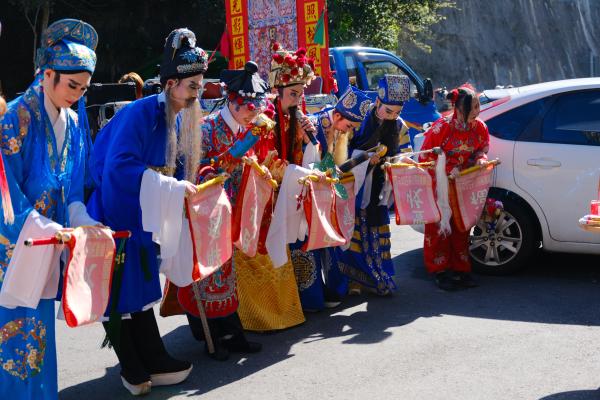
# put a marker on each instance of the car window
(377, 69)
(511, 124)
(351, 69)
(574, 119)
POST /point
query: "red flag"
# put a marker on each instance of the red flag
(224, 45)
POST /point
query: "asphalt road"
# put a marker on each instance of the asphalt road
(535, 335)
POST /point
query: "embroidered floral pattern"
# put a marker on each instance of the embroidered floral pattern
(45, 203)
(12, 145)
(26, 360)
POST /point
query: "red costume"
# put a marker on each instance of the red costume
(463, 145)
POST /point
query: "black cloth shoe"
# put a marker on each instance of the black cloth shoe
(133, 370)
(465, 280)
(331, 298)
(239, 344)
(445, 281)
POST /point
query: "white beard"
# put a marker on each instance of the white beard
(188, 146)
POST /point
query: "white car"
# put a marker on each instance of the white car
(548, 139)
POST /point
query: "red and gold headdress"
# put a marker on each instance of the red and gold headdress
(289, 68)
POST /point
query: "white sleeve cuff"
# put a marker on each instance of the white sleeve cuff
(78, 215)
(161, 201)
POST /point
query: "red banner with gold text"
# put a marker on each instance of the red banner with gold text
(237, 27)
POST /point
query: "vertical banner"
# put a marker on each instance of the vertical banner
(270, 22)
(253, 26)
(237, 27)
(309, 12)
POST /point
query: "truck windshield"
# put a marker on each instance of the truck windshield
(375, 70)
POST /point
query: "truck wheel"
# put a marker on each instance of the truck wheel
(508, 246)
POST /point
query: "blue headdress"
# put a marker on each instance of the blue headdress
(68, 45)
(353, 104)
(394, 90)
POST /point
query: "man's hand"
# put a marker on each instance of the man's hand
(482, 162)
(374, 159)
(267, 174)
(455, 172)
(307, 126)
(190, 188)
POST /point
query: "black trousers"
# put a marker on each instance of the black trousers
(140, 349)
(219, 327)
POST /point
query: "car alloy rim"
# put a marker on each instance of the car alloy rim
(496, 244)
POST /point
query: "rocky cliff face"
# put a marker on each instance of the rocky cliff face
(517, 42)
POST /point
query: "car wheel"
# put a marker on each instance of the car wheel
(506, 246)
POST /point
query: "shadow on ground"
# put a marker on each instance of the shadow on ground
(555, 289)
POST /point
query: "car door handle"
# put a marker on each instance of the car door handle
(543, 163)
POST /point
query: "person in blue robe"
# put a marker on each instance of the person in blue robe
(319, 281)
(368, 260)
(44, 146)
(158, 133)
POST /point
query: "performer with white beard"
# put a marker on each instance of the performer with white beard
(143, 163)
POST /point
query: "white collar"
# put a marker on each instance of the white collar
(229, 120)
(51, 110)
(161, 97)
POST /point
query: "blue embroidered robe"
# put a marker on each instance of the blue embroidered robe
(133, 141)
(368, 260)
(47, 179)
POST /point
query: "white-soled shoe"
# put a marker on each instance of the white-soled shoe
(137, 390)
(170, 378)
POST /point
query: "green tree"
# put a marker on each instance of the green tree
(382, 23)
(36, 13)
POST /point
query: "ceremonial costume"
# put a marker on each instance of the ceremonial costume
(368, 260)
(44, 151)
(130, 159)
(463, 144)
(225, 141)
(310, 266)
(269, 297)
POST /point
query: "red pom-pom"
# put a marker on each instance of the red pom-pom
(270, 111)
(275, 46)
(251, 106)
(300, 62)
(301, 52)
(294, 71)
(454, 97)
(240, 101)
(231, 96)
(285, 78)
(278, 58)
(290, 61)
(311, 61)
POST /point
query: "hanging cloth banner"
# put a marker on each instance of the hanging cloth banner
(236, 12)
(209, 216)
(319, 208)
(468, 193)
(255, 193)
(414, 200)
(88, 275)
(253, 26)
(345, 210)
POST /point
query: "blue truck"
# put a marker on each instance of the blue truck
(364, 66)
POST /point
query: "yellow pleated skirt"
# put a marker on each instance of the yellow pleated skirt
(268, 296)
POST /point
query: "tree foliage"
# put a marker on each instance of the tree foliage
(381, 23)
